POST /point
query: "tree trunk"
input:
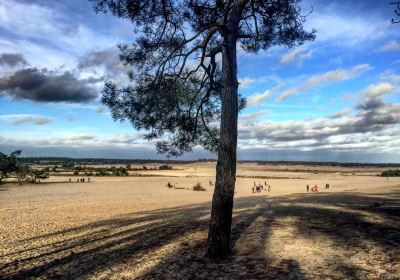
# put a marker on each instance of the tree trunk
(218, 243)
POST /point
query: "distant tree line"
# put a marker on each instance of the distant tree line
(104, 171)
(65, 162)
(71, 162)
(327, 163)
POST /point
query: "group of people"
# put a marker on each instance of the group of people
(315, 188)
(260, 187)
(80, 180)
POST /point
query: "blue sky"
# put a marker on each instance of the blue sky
(334, 99)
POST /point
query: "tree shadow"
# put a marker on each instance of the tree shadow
(169, 243)
(4, 188)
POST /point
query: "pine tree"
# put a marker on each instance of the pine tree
(184, 86)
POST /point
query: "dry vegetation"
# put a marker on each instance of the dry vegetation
(198, 188)
(136, 228)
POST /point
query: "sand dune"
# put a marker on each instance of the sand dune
(137, 228)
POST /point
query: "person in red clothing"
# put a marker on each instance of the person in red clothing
(315, 188)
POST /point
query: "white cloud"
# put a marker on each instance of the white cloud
(391, 46)
(19, 119)
(336, 76)
(345, 29)
(79, 137)
(325, 78)
(246, 82)
(256, 98)
(379, 90)
(47, 36)
(296, 55)
(249, 81)
(373, 125)
(372, 96)
(250, 118)
(389, 76)
(342, 113)
(78, 140)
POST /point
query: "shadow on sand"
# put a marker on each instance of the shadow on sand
(169, 243)
(3, 188)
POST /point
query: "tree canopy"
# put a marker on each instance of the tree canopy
(9, 164)
(396, 11)
(174, 94)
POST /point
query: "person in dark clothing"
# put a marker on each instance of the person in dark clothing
(308, 188)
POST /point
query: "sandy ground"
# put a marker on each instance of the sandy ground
(136, 228)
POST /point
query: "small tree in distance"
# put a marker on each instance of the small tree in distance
(10, 164)
(38, 175)
(184, 78)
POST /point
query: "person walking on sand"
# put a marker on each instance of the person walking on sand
(308, 188)
(269, 187)
(253, 189)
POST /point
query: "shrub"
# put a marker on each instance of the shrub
(39, 174)
(199, 188)
(165, 167)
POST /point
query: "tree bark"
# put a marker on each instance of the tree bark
(218, 243)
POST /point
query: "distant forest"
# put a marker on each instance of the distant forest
(81, 161)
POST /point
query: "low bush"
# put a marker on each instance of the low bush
(391, 173)
(198, 188)
(165, 167)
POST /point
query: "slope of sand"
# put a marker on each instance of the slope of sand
(136, 228)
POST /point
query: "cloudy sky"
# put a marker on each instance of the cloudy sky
(334, 99)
